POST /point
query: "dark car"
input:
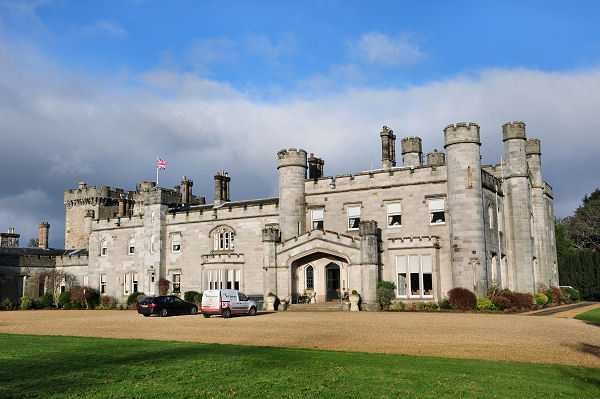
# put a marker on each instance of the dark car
(165, 306)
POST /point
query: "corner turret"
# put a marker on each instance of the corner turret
(291, 165)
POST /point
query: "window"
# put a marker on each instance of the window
(103, 248)
(436, 212)
(310, 278)
(317, 219)
(134, 282)
(176, 283)
(233, 279)
(131, 246)
(242, 296)
(85, 280)
(152, 244)
(103, 284)
(414, 276)
(152, 216)
(490, 216)
(353, 217)
(394, 215)
(176, 242)
(126, 284)
(223, 239)
(215, 279)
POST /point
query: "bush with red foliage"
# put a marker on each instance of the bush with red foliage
(108, 302)
(524, 301)
(163, 286)
(86, 296)
(462, 299)
(512, 300)
(556, 294)
(501, 302)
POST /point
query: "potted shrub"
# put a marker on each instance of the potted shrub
(354, 300)
(270, 302)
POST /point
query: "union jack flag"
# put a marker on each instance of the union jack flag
(161, 164)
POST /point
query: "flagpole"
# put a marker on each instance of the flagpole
(157, 168)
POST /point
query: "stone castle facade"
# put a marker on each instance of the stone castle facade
(427, 226)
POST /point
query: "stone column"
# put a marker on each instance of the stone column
(270, 237)
(369, 263)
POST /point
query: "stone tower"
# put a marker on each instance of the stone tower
(411, 151)
(465, 204)
(520, 217)
(292, 167)
(388, 148)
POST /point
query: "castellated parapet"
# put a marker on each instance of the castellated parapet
(533, 147)
(514, 130)
(411, 151)
(461, 133)
(436, 158)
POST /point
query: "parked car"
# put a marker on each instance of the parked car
(226, 303)
(166, 305)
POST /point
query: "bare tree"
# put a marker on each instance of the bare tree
(53, 279)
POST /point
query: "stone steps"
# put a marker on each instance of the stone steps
(316, 307)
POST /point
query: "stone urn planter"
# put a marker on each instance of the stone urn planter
(270, 302)
(354, 299)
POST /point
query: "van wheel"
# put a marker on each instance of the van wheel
(164, 312)
(193, 310)
(206, 316)
(252, 311)
(227, 313)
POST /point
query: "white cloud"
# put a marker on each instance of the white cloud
(59, 128)
(389, 52)
(104, 27)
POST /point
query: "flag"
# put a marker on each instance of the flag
(161, 164)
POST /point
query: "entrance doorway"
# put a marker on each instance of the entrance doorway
(332, 281)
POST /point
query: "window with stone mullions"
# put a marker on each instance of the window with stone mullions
(394, 215)
(414, 276)
(353, 217)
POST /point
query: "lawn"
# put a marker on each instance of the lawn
(590, 315)
(56, 366)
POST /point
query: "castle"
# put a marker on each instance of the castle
(428, 227)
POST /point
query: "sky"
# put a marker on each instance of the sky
(95, 91)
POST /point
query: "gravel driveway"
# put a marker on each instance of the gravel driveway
(550, 339)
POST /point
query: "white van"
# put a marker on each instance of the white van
(226, 303)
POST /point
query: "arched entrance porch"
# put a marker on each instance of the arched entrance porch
(319, 277)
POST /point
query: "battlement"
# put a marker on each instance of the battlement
(411, 144)
(461, 133)
(83, 192)
(291, 157)
(514, 130)
(533, 147)
(436, 158)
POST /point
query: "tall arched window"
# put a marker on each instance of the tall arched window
(310, 281)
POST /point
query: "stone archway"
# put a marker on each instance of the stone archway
(329, 277)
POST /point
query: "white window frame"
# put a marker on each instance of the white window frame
(176, 276)
(394, 209)
(152, 248)
(135, 282)
(233, 279)
(352, 214)
(317, 215)
(403, 266)
(126, 284)
(103, 248)
(176, 242)
(434, 207)
(131, 246)
(102, 284)
(224, 239)
(85, 280)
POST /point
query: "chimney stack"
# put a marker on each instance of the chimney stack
(43, 239)
(388, 148)
(315, 167)
(186, 190)
(222, 181)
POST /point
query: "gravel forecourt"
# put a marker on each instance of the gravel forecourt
(556, 338)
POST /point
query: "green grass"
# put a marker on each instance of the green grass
(590, 315)
(53, 366)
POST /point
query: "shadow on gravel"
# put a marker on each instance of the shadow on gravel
(587, 348)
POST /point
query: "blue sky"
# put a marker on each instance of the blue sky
(95, 90)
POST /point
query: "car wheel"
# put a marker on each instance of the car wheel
(227, 313)
(252, 311)
(206, 316)
(193, 310)
(164, 312)
(146, 315)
